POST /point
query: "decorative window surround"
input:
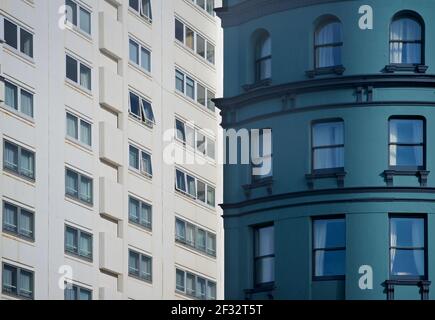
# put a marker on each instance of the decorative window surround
(339, 175)
(419, 68)
(337, 70)
(421, 174)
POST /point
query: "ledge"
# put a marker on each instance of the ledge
(269, 287)
(260, 183)
(419, 68)
(421, 174)
(339, 175)
(337, 70)
(422, 284)
(258, 84)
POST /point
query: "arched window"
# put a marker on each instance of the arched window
(406, 39)
(328, 44)
(263, 58)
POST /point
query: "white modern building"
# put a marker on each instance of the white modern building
(89, 104)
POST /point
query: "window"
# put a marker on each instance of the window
(194, 188)
(74, 292)
(206, 5)
(263, 58)
(194, 286)
(17, 282)
(262, 156)
(329, 247)
(78, 129)
(78, 243)
(139, 266)
(190, 88)
(210, 103)
(141, 109)
(328, 44)
(78, 186)
(194, 41)
(19, 160)
(18, 38)
(140, 56)
(406, 40)
(139, 213)
(201, 93)
(140, 161)
(78, 16)
(408, 247)
(264, 258)
(407, 143)
(179, 81)
(142, 7)
(78, 72)
(195, 237)
(18, 221)
(328, 146)
(18, 99)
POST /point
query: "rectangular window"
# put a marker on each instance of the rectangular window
(408, 252)
(190, 88)
(407, 143)
(82, 135)
(194, 286)
(200, 45)
(18, 99)
(261, 156)
(140, 161)
(18, 38)
(210, 103)
(19, 160)
(18, 221)
(74, 292)
(328, 146)
(141, 109)
(78, 243)
(142, 7)
(78, 186)
(195, 237)
(201, 92)
(79, 73)
(78, 16)
(210, 53)
(139, 55)
(329, 247)
(190, 38)
(210, 7)
(264, 258)
(179, 30)
(17, 282)
(139, 266)
(140, 213)
(179, 81)
(194, 188)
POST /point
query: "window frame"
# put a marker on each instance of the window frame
(322, 24)
(71, 286)
(19, 49)
(18, 171)
(139, 10)
(334, 146)
(78, 254)
(424, 217)
(423, 144)
(139, 277)
(142, 118)
(147, 226)
(255, 179)
(79, 64)
(19, 90)
(79, 121)
(259, 59)
(139, 52)
(78, 27)
(79, 177)
(195, 246)
(17, 233)
(186, 192)
(140, 170)
(407, 14)
(18, 271)
(195, 277)
(314, 250)
(256, 258)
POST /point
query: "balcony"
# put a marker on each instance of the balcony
(110, 144)
(110, 251)
(110, 90)
(110, 36)
(111, 199)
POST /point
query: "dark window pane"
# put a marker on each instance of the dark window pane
(26, 43)
(134, 4)
(134, 105)
(71, 69)
(329, 263)
(407, 262)
(179, 30)
(10, 35)
(329, 233)
(265, 270)
(71, 12)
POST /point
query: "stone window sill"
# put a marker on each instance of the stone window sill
(421, 174)
(257, 85)
(338, 175)
(337, 70)
(416, 68)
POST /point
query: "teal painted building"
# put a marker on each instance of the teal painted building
(348, 209)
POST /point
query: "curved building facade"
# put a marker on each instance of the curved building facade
(348, 91)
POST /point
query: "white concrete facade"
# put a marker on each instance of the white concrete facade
(106, 107)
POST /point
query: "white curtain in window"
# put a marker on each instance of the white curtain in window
(393, 242)
(328, 37)
(201, 288)
(180, 230)
(145, 217)
(190, 284)
(405, 29)
(85, 77)
(85, 133)
(191, 187)
(86, 245)
(134, 52)
(417, 230)
(70, 293)
(201, 240)
(210, 196)
(26, 221)
(27, 163)
(134, 157)
(180, 280)
(320, 233)
(146, 8)
(11, 95)
(190, 235)
(211, 290)
(27, 103)
(146, 163)
(26, 40)
(145, 59)
(85, 189)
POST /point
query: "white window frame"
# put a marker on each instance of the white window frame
(196, 277)
(79, 122)
(18, 233)
(18, 49)
(18, 110)
(140, 48)
(78, 198)
(186, 193)
(18, 289)
(140, 254)
(78, 27)
(148, 122)
(141, 204)
(141, 170)
(196, 132)
(79, 64)
(142, 14)
(195, 246)
(71, 286)
(19, 171)
(78, 253)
